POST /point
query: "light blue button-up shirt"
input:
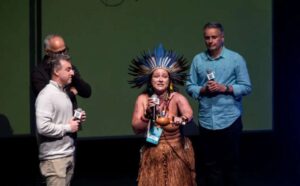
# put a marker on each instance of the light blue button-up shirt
(220, 111)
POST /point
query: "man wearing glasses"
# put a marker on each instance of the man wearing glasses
(54, 45)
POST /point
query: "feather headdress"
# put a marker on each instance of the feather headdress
(142, 67)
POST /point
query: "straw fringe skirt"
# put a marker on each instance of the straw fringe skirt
(167, 164)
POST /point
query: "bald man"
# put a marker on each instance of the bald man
(54, 45)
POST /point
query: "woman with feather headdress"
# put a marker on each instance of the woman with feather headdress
(167, 158)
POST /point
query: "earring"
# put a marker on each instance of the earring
(171, 87)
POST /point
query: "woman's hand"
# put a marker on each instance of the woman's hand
(182, 120)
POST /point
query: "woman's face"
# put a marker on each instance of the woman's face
(160, 80)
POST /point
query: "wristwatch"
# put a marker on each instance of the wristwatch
(227, 89)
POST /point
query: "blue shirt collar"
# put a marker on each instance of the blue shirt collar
(222, 55)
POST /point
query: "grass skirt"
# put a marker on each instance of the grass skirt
(167, 164)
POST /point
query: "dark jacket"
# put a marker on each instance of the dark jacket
(41, 76)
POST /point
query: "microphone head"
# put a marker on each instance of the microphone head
(210, 74)
(79, 109)
(155, 99)
(154, 96)
(78, 113)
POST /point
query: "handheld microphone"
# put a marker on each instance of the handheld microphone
(78, 115)
(210, 75)
(155, 100)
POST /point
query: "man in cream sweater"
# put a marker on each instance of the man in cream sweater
(55, 123)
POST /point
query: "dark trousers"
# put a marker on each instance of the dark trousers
(219, 155)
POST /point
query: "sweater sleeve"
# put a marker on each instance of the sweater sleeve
(45, 122)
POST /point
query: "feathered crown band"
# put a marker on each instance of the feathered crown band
(142, 67)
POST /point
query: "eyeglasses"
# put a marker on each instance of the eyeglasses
(65, 51)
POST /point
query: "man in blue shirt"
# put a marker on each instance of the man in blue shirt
(219, 79)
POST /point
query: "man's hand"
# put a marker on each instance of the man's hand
(215, 87)
(74, 90)
(83, 117)
(74, 124)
